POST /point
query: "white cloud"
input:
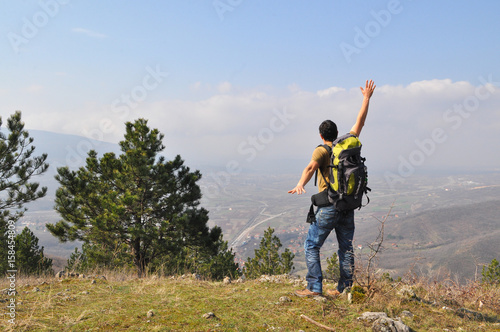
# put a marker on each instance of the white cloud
(196, 86)
(261, 129)
(224, 87)
(294, 88)
(329, 91)
(35, 88)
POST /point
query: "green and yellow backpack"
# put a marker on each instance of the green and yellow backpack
(348, 174)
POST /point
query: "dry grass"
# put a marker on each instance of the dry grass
(121, 302)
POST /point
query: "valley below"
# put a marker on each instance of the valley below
(435, 224)
(440, 227)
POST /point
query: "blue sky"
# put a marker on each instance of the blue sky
(248, 82)
(255, 43)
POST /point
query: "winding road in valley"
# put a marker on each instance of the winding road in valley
(251, 224)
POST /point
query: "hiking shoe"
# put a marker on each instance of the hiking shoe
(333, 293)
(306, 293)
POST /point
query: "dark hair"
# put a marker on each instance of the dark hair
(328, 130)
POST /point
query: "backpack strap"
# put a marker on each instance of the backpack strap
(329, 150)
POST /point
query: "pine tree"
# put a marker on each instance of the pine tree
(136, 205)
(222, 265)
(333, 268)
(491, 274)
(267, 259)
(17, 167)
(77, 262)
(30, 259)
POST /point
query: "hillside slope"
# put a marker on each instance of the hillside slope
(455, 239)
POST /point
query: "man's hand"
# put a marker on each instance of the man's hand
(299, 189)
(367, 93)
(368, 90)
(307, 174)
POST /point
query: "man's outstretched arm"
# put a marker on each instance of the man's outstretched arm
(307, 174)
(360, 121)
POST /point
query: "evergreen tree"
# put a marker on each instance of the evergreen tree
(77, 262)
(30, 259)
(333, 268)
(267, 259)
(17, 166)
(491, 274)
(221, 265)
(137, 206)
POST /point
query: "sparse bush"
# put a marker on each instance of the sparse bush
(366, 272)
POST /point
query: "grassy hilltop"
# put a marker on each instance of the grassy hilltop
(121, 302)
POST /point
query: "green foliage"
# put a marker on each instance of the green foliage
(491, 273)
(386, 276)
(29, 256)
(135, 208)
(77, 262)
(222, 264)
(358, 294)
(267, 259)
(333, 269)
(17, 166)
(96, 257)
(218, 266)
(213, 265)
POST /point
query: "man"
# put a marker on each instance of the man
(327, 218)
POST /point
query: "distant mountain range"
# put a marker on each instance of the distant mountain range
(68, 150)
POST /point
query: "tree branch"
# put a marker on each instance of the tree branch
(310, 320)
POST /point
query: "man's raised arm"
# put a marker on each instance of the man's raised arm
(360, 121)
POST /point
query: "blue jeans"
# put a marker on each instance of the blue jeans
(328, 219)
